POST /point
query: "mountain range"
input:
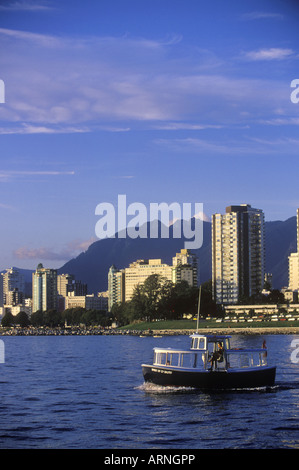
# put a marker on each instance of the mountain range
(91, 266)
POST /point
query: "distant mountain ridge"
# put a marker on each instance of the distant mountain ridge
(91, 266)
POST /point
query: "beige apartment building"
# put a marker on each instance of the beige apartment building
(121, 283)
(140, 270)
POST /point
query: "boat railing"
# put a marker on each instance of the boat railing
(244, 358)
(232, 358)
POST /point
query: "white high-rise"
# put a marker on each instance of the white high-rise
(13, 285)
(238, 253)
(294, 264)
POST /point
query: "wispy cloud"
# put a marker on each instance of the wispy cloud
(261, 15)
(6, 207)
(34, 129)
(9, 175)
(25, 6)
(125, 177)
(71, 250)
(274, 53)
(244, 146)
(113, 82)
(43, 40)
(177, 126)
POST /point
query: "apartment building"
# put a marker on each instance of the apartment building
(122, 283)
(140, 270)
(238, 253)
(44, 289)
(13, 287)
(294, 264)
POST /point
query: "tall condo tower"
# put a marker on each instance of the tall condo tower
(238, 253)
(44, 289)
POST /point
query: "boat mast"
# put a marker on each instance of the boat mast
(198, 309)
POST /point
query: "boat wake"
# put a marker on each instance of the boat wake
(153, 388)
(149, 387)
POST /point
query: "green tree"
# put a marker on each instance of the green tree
(122, 313)
(152, 292)
(22, 319)
(37, 318)
(8, 319)
(52, 318)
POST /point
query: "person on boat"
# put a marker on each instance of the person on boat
(217, 356)
(265, 347)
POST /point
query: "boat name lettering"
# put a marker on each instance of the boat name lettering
(162, 371)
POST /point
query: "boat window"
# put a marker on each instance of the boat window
(211, 347)
(198, 343)
(244, 360)
(174, 359)
(186, 360)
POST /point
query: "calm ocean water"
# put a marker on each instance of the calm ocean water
(87, 392)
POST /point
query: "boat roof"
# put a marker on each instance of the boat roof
(211, 337)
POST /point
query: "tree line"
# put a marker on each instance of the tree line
(155, 299)
(53, 318)
(160, 299)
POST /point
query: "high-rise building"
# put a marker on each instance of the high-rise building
(13, 286)
(185, 267)
(294, 263)
(66, 283)
(116, 286)
(238, 253)
(44, 289)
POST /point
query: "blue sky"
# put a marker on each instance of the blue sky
(161, 100)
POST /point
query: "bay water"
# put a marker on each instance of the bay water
(87, 392)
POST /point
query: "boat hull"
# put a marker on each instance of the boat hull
(224, 379)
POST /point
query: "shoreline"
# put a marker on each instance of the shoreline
(231, 331)
(99, 331)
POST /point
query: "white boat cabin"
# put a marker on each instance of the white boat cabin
(210, 353)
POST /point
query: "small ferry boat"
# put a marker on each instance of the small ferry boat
(210, 363)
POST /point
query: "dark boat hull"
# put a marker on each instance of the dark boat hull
(259, 377)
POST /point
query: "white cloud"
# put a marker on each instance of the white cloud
(244, 146)
(9, 175)
(6, 206)
(110, 81)
(260, 15)
(68, 252)
(25, 6)
(274, 53)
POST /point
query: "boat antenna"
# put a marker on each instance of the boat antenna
(198, 309)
